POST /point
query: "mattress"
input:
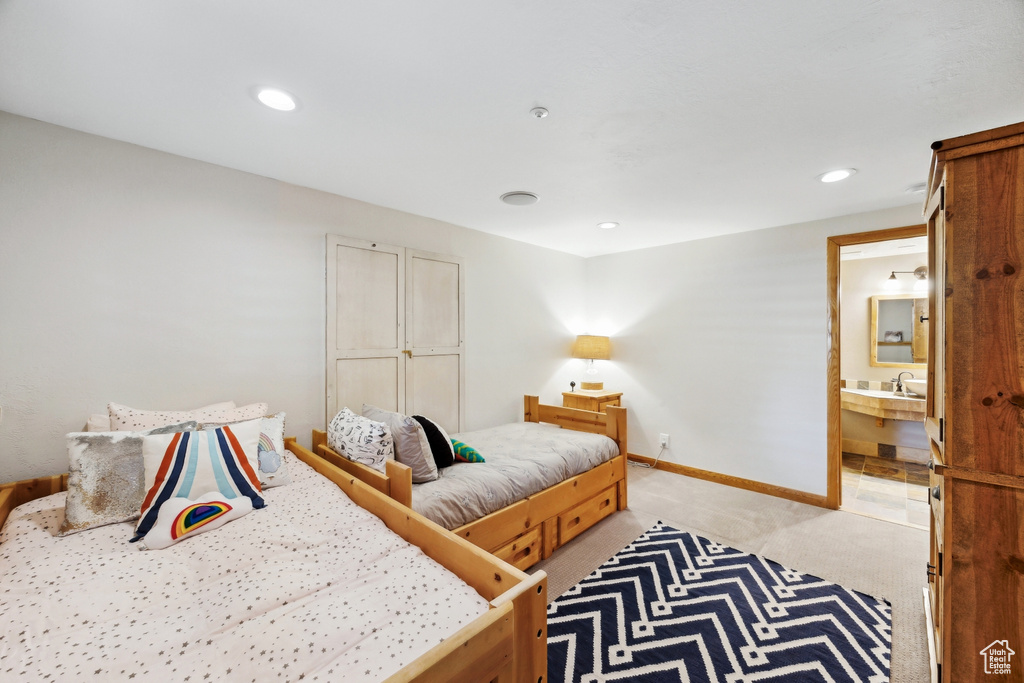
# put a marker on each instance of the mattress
(311, 587)
(522, 459)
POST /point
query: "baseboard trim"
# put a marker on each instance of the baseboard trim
(737, 482)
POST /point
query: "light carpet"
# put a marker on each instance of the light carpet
(868, 555)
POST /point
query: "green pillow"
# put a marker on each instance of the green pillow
(464, 453)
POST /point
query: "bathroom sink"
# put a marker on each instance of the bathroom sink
(916, 386)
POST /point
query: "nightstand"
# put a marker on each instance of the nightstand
(596, 401)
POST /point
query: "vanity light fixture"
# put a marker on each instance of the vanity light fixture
(920, 274)
(838, 174)
(608, 225)
(276, 99)
(519, 198)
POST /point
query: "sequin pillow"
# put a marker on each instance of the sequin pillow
(189, 464)
(180, 518)
(361, 439)
(123, 417)
(106, 477)
(464, 453)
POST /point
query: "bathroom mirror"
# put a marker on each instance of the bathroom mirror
(899, 331)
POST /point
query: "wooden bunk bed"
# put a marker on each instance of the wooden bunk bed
(507, 643)
(531, 529)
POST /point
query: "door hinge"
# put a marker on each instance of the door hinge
(942, 198)
(939, 563)
(942, 429)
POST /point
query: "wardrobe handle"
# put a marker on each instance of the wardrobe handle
(923, 318)
(407, 352)
(937, 493)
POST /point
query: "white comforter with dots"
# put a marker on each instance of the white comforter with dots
(312, 587)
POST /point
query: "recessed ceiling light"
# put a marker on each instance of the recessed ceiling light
(608, 225)
(838, 174)
(519, 198)
(276, 99)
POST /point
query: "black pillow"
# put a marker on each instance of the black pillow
(440, 447)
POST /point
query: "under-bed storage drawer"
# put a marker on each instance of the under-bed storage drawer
(575, 521)
(523, 552)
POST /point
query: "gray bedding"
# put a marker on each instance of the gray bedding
(522, 459)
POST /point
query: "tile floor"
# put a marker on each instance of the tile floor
(885, 488)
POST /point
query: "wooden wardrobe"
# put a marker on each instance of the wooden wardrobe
(975, 405)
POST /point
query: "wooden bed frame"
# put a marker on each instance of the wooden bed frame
(529, 530)
(506, 644)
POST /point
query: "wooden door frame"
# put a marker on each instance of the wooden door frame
(834, 488)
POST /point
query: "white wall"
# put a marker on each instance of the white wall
(860, 280)
(721, 344)
(144, 278)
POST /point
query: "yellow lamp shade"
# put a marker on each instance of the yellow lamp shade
(592, 347)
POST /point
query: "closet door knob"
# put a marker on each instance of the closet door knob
(937, 493)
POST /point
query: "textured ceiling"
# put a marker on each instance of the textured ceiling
(677, 119)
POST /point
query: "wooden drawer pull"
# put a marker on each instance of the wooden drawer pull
(524, 553)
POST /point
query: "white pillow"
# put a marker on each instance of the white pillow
(411, 445)
(98, 423)
(180, 518)
(125, 418)
(101, 422)
(361, 439)
(272, 470)
(190, 464)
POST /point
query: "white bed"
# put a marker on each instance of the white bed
(275, 595)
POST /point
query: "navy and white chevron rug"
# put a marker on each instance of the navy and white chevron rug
(672, 606)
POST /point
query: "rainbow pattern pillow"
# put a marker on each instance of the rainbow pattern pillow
(272, 470)
(464, 453)
(180, 518)
(189, 464)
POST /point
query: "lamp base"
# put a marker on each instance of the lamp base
(592, 386)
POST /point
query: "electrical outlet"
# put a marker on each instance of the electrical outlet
(663, 440)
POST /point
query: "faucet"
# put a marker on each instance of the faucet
(899, 382)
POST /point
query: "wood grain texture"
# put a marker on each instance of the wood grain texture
(943, 147)
(986, 575)
(976, 399)
(531, 638)
(478, 652)
(16, 493)
(985, 324)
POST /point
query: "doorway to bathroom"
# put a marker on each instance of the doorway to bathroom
(877, 361)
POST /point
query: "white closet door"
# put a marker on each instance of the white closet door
(435, 338)
(365, 319)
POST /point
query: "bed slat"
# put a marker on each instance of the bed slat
(23, 491)
(468, 656)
